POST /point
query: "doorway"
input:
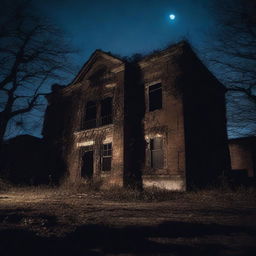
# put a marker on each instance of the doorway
(87, 164)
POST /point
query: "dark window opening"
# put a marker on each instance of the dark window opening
(87, 164)
(90, 115)
(106, 157)
(155, 155)
(106, 111)
(155, 97)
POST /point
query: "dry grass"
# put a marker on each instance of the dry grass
(85, 221)
(152, 194)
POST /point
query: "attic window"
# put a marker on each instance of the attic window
(155, 97)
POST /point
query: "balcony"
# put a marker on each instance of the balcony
(95, 123)
(105, 120)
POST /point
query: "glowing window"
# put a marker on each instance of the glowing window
(155, 155)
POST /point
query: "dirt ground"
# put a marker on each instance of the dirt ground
(49, 222)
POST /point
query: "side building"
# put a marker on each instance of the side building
(243, 159)
(159, 121)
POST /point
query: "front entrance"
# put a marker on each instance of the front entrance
(87, 165)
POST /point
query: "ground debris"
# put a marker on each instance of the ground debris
(94, 225)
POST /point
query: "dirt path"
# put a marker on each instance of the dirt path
(50, 223)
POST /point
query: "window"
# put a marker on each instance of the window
(106, 111)
(97, 115)
(106, 157)
(155, 97)
(90, 115)
(155, 156)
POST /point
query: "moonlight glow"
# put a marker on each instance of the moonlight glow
(172, 17)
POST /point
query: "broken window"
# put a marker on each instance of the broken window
(87, 162)
(90, 115)
(155, 155)
(106, 157)
(106, 111)
(155, 97)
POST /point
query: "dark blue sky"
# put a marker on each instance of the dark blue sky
(123, 27)
(127, 27)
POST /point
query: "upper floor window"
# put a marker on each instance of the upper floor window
(155, 97)
(106, 111)
(90, 115)
(98, 113)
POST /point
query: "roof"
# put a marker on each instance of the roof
(170, 48)
(181, 49)
(95, 54)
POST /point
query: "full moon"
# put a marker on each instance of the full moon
(172, 16)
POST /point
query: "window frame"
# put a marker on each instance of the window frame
(149, 92)
(99, 120)
(108, 118)
(88, 121)
(106, 154)
(151, 152)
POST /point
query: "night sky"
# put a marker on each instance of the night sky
(129, 27)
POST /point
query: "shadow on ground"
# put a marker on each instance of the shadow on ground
(127, 240)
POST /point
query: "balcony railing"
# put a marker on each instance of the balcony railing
(94, 123)
(104, 120)
(89, 124)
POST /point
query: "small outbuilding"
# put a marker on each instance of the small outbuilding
(243, 157)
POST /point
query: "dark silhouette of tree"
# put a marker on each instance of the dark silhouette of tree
(233, 57)
(32, 55)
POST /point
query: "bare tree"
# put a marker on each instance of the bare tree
(233, 57)
(32, 55)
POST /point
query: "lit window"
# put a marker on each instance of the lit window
(155, 156)
(155, 97)
(106, 157)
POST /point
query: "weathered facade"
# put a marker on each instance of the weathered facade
(159, 121)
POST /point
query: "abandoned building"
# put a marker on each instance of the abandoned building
(154, 121)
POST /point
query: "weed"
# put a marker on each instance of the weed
(152, 194)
